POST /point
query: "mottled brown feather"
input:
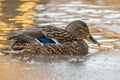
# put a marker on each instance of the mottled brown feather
(71, 40)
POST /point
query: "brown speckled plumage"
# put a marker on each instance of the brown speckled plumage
(68, 48)
(71, 40)
(51, 32)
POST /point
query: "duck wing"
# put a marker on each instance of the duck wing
(49, 32)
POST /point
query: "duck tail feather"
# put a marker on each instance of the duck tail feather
(16, 36)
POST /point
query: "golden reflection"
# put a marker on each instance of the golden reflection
(4, 29)
(25, 19)
(26, 14)
(1, 54)
(2, 23)
(26, 6)
(18, 16)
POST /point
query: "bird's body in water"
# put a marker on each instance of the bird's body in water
(53, 40)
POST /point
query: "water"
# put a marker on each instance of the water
(103, 19)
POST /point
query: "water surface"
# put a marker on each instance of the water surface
(103, 19)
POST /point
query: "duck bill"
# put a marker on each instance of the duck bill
(91, 39)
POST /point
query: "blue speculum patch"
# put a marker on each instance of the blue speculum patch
(45, 40)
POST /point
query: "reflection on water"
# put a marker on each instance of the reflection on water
(103, 19)
(15, 15)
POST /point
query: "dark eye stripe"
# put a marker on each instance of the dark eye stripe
(83, 28)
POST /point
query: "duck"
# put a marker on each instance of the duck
(52, 40)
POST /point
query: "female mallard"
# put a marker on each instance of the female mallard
(52, 40)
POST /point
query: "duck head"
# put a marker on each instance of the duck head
(80, 30)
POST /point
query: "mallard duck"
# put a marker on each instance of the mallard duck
(52, 40)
